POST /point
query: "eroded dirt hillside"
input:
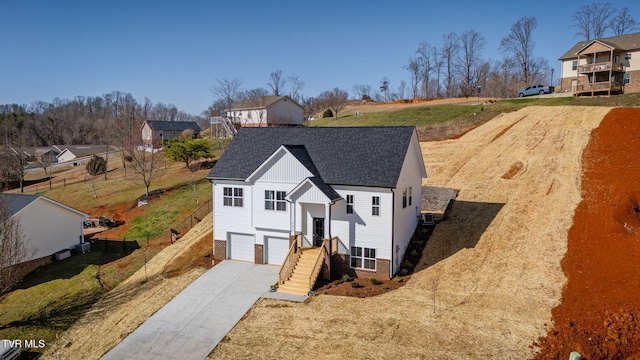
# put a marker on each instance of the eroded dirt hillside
(490, 274)
(600, 311)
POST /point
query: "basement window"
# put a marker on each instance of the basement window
(363, 258)
(627, 78)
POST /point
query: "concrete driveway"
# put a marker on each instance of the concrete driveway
(195, 321)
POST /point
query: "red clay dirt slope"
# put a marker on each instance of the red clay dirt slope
(599, 315)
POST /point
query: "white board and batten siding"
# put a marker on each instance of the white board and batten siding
(282, 172)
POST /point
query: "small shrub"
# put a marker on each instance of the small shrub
(205, 254)
(345, 277)
(397, 278)
(355, 285)
(375, 281)
(403, 272)
(327, 113)
(414, 253)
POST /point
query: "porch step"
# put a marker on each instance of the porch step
(298, 283)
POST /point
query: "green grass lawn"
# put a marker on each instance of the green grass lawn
(51, 299)
(435, 115)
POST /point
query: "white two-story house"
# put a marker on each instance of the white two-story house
(352, 191)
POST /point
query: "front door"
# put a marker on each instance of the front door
(318, 231)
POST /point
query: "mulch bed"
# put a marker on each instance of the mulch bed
(599, 315)
(365, 289)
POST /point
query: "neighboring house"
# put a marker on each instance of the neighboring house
(72, 152)
(47, 225)
(155, 132)
(267, 111)
(603, 66)
(45, 154)
(355, 192)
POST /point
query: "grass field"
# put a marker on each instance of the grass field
(52, 298)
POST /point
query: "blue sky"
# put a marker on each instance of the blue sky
(172, 52)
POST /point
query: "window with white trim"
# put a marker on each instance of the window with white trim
(574, 65)
(627, 57)
(232, 196)
(404, 198)
(275, 200)
(375, 205)
(363, 258)
(349, 204)
(626, 78)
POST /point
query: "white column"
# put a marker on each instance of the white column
(327, 220)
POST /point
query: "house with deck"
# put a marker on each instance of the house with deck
(318, 200)
(603, 66)
(266, 111)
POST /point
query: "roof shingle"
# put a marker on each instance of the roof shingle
(361, 156)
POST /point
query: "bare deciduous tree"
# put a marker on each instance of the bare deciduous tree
(335, 99)
(227, 90)
(14, 247)
(415, 70)
(449, 53)
(472, 44)
(519, 45)
(402, 88)
(276, 83)
(147, 166)
(428, 61)
(296, 85)
(593, 20)
(623, 23)
(362, 91)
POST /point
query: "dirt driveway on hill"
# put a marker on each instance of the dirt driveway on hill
(489, 276)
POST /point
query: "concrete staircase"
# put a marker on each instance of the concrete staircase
(298, 282)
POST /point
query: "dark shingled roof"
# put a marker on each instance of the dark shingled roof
(361, 156)
(326, 189)
(17, 202)
(625, 42)
(173, 125)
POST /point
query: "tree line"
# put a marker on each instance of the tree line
(82, 120)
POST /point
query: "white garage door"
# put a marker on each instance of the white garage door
(241, 247)
(276, 249)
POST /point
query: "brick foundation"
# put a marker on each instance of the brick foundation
(219, 249)
(340, 265)
(258, 253)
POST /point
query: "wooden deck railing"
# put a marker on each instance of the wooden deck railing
(599, 86)
(600, 66)
(289, 262)
(317, 267)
